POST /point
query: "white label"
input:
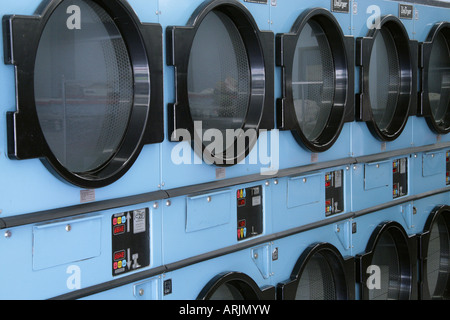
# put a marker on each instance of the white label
(139, 221)
(220, 173)
(402, 165)
(256, 201)
(87, 196)
(338, 179)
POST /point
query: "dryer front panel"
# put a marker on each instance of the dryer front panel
(318, 79)
(435, 251)
(435, 63)
(386, 271)
(321, 273)
(89, 95)
(388, 61)
(235, 286)
(224, 82)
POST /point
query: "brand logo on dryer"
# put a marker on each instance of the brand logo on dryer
(340, 6)
(405, 11)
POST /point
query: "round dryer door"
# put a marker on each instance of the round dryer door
(388, 78)
(387, 269)
(321, 273)
(318, 79)
(84, 89)
(235, 286)
(224, 81)
(435, 256)
(435, 94)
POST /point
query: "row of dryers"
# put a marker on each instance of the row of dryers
(358, 230)
(97, 95)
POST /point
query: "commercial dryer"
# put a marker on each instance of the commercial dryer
(432, 27)
(314, 80)
(386, 86)
(316, 264)
(385, 249)
(433, 222)
(82, 103)
(219, 66)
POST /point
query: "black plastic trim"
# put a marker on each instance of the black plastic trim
(407, 99)
(260, 50)
(343, 272)
(246, 286)
(407, 250)
(424, 239)
(144, 43)
(342, 48)
(424, 108)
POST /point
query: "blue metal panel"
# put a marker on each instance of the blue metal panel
(291, 248)
(208, 211)
(205, 222)
(53, 261)
(373, 183)
(66, 242)
(428, 171)
(187, 283)
(298, 201)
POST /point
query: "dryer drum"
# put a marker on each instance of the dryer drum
(235, 286)
(318, 79)
(434, 99)
(435, 256)
(89, 91)
(388, 78)
(321, 273)
(387, 270)
(224, 81)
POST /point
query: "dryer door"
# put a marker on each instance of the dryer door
(387, 271)
(388, 78)
(235, 286)
(435, 256)
(224, 70)
(434, 99)
(89, 92)
(318, 79)
(321, 273)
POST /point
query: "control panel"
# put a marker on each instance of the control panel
(334, 192)
(249, 212)
(130, 241)
(400, 177)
